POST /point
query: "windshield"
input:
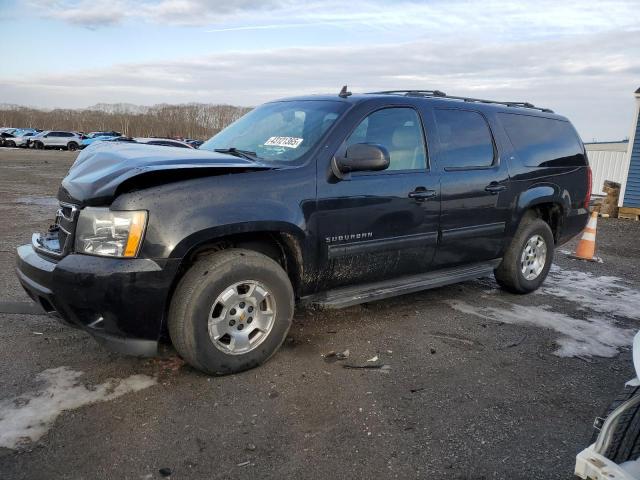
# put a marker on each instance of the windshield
(279, 131)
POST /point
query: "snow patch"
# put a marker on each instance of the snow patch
(604, 294)
(594, 336)
(28, 417)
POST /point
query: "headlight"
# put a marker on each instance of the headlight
(104, 232)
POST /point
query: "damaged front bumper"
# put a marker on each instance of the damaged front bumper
(121, 302)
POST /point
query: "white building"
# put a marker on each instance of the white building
(608, 162)
(619, 162)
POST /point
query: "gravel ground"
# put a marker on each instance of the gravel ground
(472, 387)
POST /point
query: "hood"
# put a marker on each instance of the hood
(103, 166)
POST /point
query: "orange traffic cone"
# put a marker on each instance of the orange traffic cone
(586, 248)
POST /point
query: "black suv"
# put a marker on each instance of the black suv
(331, 200)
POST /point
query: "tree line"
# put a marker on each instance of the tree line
(199, 121)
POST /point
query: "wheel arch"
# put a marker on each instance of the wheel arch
(284, 245)
(546, 201)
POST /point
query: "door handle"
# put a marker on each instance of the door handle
(494, 188)
(420, 194)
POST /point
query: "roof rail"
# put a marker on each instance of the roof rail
(416, 93)
(440, 94)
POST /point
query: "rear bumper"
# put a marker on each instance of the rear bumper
(120, 302)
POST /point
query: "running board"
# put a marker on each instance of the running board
(354, 295)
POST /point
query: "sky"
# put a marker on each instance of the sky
(580, 58)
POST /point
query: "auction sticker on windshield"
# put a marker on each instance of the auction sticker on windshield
(290, 142)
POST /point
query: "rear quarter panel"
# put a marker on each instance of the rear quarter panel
(548, 182)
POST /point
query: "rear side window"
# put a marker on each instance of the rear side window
(543, 142)
(465, 139)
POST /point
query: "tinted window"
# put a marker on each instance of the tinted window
(398, 130)
(465, 139)
(543, 142)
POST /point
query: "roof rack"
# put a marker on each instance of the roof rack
(440, 94)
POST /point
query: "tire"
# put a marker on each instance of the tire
(509, 274)
(625, 442)
(72, 146)
(38, 146)
(195, 304)
(10, 144)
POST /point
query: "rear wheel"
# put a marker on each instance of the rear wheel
(231, 311)
(528, 258)
(10, 143)
(38, 145)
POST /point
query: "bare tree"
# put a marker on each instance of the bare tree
(193, 120)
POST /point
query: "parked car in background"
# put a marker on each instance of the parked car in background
(57, 139)
(4, 135)
(121, 138)
(21, 131)
(111, 133)
(21, 138)
(96, 137)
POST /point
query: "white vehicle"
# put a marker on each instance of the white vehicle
(57, 139)
(21, 140)
(615, 454)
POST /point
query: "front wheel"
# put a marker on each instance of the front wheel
(72, 146)
(231, 311)
(528, 258)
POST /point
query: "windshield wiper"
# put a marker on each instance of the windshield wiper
(246, 154)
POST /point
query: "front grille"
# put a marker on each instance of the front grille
(58, 240)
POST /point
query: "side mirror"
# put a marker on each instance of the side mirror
(361, 157)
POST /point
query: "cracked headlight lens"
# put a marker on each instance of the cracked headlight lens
(108, 233)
